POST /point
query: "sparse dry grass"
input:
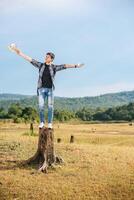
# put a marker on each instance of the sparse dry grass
(99, 164)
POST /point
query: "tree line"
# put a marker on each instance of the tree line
(70, 103)
(28, 114)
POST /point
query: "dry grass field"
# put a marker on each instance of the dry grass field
(98, 165)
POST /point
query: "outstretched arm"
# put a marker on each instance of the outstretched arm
(65, 66)
(28, 58)
(34, 62)
(13, 48)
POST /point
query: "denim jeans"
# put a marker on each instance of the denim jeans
(43, 94)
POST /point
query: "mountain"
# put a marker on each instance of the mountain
(6, 96)
(103, 101)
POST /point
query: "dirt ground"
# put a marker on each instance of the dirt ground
(98, 165)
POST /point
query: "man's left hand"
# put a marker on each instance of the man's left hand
(80, 65)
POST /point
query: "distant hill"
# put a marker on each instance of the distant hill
(103, 101)
(6, 96)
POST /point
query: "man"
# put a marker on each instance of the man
(45, 87)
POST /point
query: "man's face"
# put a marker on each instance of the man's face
(48, 59)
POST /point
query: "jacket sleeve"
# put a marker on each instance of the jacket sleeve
(35, 63)
(59, 67)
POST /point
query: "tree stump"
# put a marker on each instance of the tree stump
(45, 154)
(72, 139)
(31, 128)
(58, 140)
(131, 124)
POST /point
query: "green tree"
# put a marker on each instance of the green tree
(15, 110)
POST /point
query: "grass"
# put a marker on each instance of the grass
(98, 165)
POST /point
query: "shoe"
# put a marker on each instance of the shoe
(41, 125)
(50, 125)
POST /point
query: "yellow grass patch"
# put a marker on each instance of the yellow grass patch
(98, 165)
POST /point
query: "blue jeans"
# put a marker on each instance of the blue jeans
(43, 94)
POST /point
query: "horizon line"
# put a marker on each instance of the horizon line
(121, 91)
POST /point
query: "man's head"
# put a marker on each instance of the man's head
(49, 57)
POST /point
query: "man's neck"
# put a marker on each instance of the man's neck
(47, 63)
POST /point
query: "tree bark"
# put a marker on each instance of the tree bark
(45, 154)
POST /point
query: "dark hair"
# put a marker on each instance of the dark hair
(51, 54)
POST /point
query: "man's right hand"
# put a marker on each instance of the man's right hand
(12, 47)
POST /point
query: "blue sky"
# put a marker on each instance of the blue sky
(99, 33)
